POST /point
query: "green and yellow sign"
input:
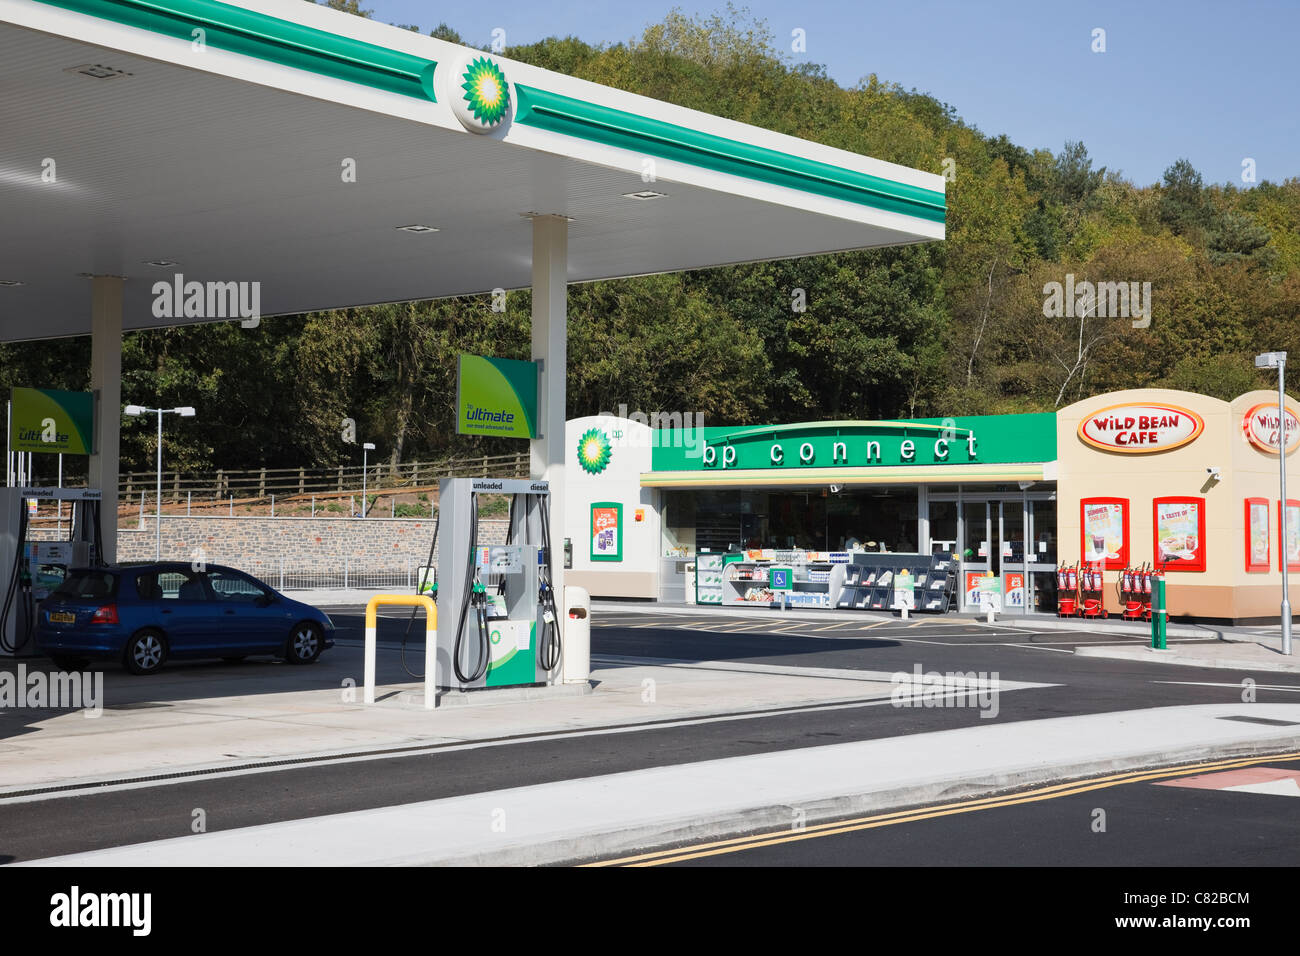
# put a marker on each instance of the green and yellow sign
(496, 397)
(48, 420)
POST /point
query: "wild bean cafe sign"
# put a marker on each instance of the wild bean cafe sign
(980, 439)
(1262, 426)
(1141, 428)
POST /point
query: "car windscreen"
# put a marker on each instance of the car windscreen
(87, 586)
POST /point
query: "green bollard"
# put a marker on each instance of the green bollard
(1159, 615)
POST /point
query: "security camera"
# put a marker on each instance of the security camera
(835, 489)
(1212, 470)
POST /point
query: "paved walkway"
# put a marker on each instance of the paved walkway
(621, 813)
(1240, 655)
(220, 717)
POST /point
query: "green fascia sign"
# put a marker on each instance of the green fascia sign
(51, 421)
(977, 439)
(224, 26)
(496, 397)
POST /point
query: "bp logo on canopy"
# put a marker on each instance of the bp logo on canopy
(594, 451)
(480, 93)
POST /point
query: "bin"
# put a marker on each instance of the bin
(577, 635)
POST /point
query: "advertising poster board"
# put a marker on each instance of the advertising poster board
(990, 593)
(606, 531)
(1291, 545)
(1105, 537)
(496, 397)
(1179, 534)
(51, 421)
(1259, 546)
(1015, 589)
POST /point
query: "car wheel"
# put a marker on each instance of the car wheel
(145, 652)
(65, 663)
(305, 643)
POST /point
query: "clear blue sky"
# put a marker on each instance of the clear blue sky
(1212, 82)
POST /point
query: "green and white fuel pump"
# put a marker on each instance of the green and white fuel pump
(34, 563)
(498, 623)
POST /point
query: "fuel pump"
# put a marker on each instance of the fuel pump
(34, 561)
(498, 624)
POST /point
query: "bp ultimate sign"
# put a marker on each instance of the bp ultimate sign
(986, 439)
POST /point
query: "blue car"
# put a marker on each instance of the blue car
(144, 615)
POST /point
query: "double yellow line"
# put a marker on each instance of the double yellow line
(777, 837)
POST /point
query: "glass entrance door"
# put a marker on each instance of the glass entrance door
(1011, 553)
(974, 546)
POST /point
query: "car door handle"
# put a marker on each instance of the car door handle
(166, 610)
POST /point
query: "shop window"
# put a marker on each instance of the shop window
(1290, 543)
(1179, 525)
(1104, 537)
(1259, 544)
(943, 527)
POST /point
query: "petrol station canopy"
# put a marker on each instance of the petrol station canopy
(216, 139)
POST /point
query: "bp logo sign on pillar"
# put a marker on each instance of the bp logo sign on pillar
(594, 451)
(479, 94)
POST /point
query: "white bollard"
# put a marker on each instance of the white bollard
(575, 665)
(430, 661)
(370, 660)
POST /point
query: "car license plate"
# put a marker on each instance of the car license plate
(62, 617)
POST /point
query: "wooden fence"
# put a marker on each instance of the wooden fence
(264, 482)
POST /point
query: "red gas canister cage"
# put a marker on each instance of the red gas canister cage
(1067, 591)
(1129, 586)
(1091, 592)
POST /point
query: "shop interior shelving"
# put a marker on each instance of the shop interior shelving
(868, 581)
(746, 581)
(709, 588)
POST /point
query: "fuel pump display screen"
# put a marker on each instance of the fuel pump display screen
(500, 559)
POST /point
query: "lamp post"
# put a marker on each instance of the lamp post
(365, 448)
(1277, 360)
(185, 411)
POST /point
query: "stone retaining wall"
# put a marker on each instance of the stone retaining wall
(260, 544)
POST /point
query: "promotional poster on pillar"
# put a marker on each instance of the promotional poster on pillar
(1258, 544)
(606, 531)
(1180, 534)
(1105, 532)
(1290, 541)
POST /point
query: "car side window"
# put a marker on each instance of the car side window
(177, 586)
(234, 588)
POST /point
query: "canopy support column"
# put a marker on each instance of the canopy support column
(550, 346)
(106, 382)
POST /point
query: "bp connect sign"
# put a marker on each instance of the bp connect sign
(1263, 428)
(1141, 428)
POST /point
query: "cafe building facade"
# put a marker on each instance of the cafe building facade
(1180, 481)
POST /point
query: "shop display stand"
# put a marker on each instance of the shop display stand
(745, 581)
(709, 588)
(868, 582)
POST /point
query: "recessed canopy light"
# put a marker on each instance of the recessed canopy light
(161, 263)
(10, 282)
(417, 228)
(98, 71)
(646, 194)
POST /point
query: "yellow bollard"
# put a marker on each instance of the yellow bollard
(430, 641)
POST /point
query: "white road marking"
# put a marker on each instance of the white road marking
(1292, 688)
